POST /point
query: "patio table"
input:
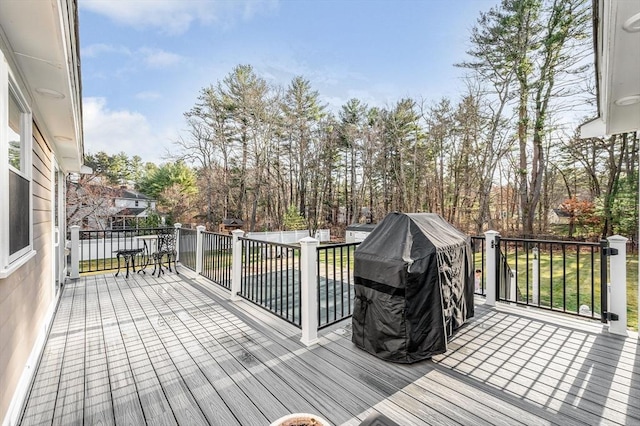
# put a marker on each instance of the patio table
(149, 246)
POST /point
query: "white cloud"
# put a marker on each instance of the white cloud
(176, 16)
(152, 57)
(148, 96)
(158, 58)
(113, 131)
(94, 50)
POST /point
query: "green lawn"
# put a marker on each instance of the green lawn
(632, 292)
(343, 257)
(100, 265)
(220, 259)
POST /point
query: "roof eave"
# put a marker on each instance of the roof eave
(617, 71)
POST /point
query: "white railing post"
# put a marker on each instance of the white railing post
(309, 290)
(178, 227)
(75, 252)
(236, 264)
(491, 250)
(618, 293)
(536, 276)
(199, 248)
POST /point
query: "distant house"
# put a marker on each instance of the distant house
(559, 217)
(94, 205)
(357, 232)
(229, 225)
(129, 207)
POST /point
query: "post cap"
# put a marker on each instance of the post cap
(309, 240)
(617, 239)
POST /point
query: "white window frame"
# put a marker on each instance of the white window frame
(11, 262)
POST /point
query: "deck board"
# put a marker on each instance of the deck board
(98, 408)
(174, 350)
(240, 344)
(125, 400)
(136, 372)
(198, 367)
(69, 405)
(42, 397)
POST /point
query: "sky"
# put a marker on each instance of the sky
(144, 62)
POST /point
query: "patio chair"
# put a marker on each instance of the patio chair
(166, 246)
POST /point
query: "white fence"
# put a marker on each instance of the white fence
(288, 237)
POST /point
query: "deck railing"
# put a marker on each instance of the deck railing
(187, 248)
(97, 249)
(335, 282)
(216, 261)
(477, 244)
(564, 276)
(312, 286)
(270, 277)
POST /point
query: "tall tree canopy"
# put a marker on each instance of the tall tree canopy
(496, 156)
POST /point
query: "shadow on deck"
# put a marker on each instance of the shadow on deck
(173, 350)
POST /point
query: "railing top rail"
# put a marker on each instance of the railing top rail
(217, 233)
(111, 233)
(337, 245)
(571, 243)
(285, 245)
(127, 229)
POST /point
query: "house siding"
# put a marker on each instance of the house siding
(129, 203)
(27, 295)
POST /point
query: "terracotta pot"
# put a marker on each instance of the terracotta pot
(300, 419)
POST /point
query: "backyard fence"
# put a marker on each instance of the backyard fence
(288, 237)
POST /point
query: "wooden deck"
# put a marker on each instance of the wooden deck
(172, 350)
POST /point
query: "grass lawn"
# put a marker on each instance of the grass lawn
(632, 292)
(100, 265)
(340, 256)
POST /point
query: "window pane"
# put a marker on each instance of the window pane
(18, 212)
(15, 143)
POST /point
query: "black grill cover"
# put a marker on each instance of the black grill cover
(414, 287)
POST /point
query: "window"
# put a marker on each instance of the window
(15, 171)
(19, 182)
(14, 139)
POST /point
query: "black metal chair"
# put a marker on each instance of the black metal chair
(166, 246)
